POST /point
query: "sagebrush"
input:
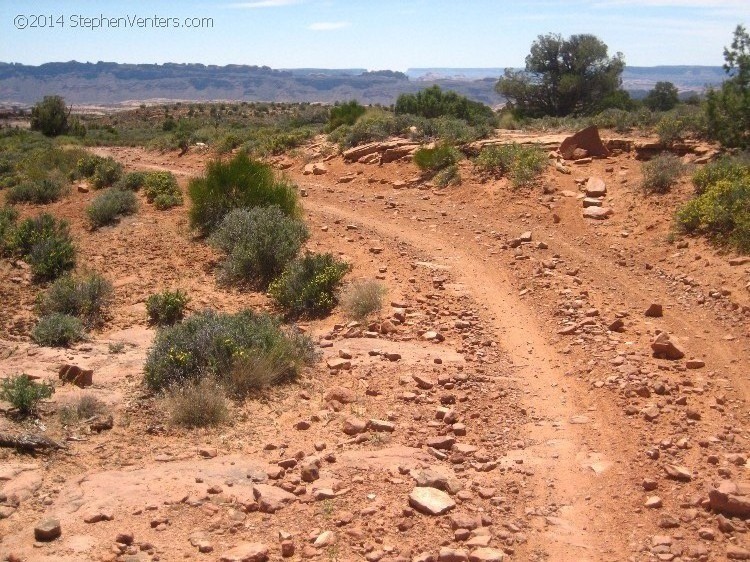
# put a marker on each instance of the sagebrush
(308, 285)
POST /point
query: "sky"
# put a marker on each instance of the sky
(370, 34)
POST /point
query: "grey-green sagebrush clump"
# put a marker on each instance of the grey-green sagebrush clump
(86, 297)
(309, 284)
(200, 403)
(661, 173)
(216, 345)
(523, 164)
(24, 394)
(38, 192)
(166, 308)
(45, 244)
(362, 298)
(239, 183)
(258, 243)
(58, 330)
(434, 159)
(108, 207)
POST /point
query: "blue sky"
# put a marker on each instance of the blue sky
(392, 34)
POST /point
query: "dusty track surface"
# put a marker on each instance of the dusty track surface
(567, 433)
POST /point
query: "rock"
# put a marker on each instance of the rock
(654, 310)
(270, 498)
(246, 552)
(677, 472)
(525, 236)
(423, 382)
(316, 169)
(430, 501)
(47, 530)
(695, 364)
(595, 187)
(591, 202)
(653, 502)
(731, 498)
(486, 555)
(452, 555)
(433, 479)
(381, 425)
(739, 261)
(444, 442)
(98, 516)
(587, 139)
(433, 336)
(735, 552)
(337, 363)
(287, 549)
(326, 538)
(310, 471)
(617, 326)
(665, 347)
(75, 375)
(353, 426)
(598, 213)
(340, 394)
(102, 423)
(465, 521)
(208, 452)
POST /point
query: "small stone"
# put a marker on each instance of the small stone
(354, 426)
(486, 555)
(246, 552)
(655, 310)
(430, 501)
(653, 502)
(47, 530)
(452, 555)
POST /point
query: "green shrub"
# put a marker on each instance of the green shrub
(132, 181)
(448, 176)
(722, 212)
(680, 123)
(83, 407)
(208, 344)
(374, 125)
(166, 308)
(86, 297)
(45, 243)
(8, 218)
(241, 182)
(258, 242)
(522, 163)
(435, 159)
(344, 114)
(106, 173)
(58, 330)
(433, 102)
(725, 168)
(162, 190)
(108, 207)
(197, 404)
(309, 284)
(50, 116)
(86, 166)
(661, 173)
(362, 298)
(24, 394)
(38, 192)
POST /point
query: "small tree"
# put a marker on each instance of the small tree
(50, 116)
(663, 97)
(728, 109)
(563, 76)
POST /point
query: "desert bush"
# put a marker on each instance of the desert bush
(433, 102)
(725, 168)
(132, 181)
(166, 308)
(106, 172)
(82, 407)
(682, 122)
(258, 243)
(108, 207)
(24, 394)
(241, 182)
(661, 173)
(86, 166)
(200, 403)
(435, 159)
(45, 243)
(86, 297)
(522, 163)
(375, 125)
(309, 284)
(208, 344)
(344, 114)
(39, 192)
(50, 116)
(722, 212)
(362, 298)
(8, 218)
(162, 190)
(448, 176)
(57, 330)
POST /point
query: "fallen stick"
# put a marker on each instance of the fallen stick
(28, 442)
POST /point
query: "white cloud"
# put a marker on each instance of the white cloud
(264, 4)
(328, 25)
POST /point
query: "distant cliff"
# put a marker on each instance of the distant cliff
(112, 83)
